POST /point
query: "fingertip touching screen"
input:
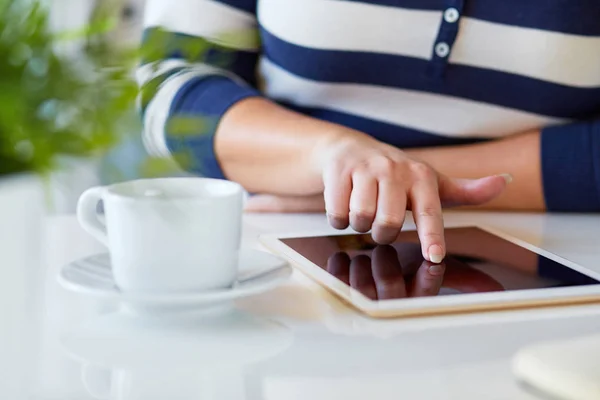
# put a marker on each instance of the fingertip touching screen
(477, 262)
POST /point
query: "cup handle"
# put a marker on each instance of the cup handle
(87, 214)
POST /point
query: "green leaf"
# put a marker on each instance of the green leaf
(52, 105)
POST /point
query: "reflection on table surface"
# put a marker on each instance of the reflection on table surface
(203, 355)
(335, 351)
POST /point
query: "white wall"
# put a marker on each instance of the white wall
(73, 14)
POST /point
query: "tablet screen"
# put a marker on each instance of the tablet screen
(476, 262)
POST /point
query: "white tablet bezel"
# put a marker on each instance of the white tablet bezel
(446, 304)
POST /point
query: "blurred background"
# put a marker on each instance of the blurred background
(68, 121)
(126, 158)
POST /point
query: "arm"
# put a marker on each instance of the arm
(269, 149)
(557, 169)
(200, 64)
(210, 114)
(518, 155)
(199, 60)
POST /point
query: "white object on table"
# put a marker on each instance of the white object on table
(167, 235)
(337, 352)
(21, 218)
(568, 369)
(259, 272)
(432, 305)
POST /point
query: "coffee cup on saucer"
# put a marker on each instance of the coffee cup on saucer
(170, 235)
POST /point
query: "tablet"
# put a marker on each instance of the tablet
(483, 270)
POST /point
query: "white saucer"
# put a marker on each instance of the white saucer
(92, 276)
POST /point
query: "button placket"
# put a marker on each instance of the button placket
(446, 37)
(451, 15)
(442, 49)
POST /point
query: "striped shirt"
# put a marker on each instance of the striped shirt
(411, 73)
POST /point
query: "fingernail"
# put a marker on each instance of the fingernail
(508, 178)
(436, 254)
(337, 222)
(436, 269)
(332, 219)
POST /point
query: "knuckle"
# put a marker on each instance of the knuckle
(338, 166)
(432, 236)
(362, 214)
(361, 166)
(390, 220)
(383, 167)
(430, 212)
(422, 171)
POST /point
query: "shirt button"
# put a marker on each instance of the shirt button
(442, 49)
(451, 15)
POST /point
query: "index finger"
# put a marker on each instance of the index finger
(427, 212)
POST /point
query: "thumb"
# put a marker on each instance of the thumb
(472, 192)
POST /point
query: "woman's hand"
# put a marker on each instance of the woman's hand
(369, 185)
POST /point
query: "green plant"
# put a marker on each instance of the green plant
(53, 103)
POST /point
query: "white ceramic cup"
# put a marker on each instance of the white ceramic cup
(168, 235)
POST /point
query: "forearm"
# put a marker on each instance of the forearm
(270, 149)
(518, 155)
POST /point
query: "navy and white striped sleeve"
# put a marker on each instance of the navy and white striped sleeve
(571, 167)
(199, 59)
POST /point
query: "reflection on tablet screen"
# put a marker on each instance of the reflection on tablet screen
(476, 262)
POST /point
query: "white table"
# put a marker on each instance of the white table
(313, 346)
